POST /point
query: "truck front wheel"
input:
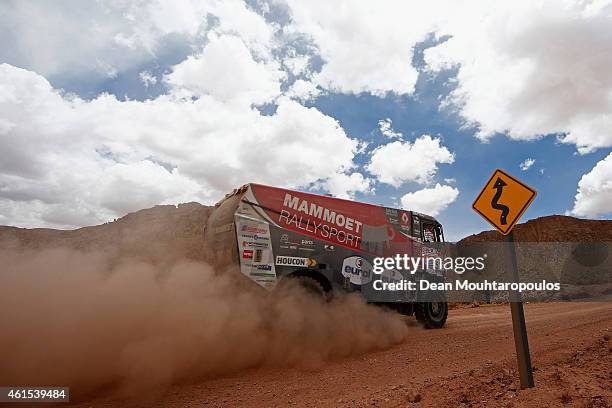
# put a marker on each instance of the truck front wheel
(432, 315)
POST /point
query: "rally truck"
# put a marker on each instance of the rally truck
(327, 244)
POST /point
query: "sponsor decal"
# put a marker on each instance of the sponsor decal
(428, 251)
(254, 229)
(263, 274)
(256, 260)
(405, 218)
(357, 270)
(262, 245)
(291, 260)
(307, 242)
(295, 261)
(392, 212)
(284, 240)
(329, 247)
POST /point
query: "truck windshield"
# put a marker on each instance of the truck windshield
(432, 233)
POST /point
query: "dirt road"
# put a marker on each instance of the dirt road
(469, 363)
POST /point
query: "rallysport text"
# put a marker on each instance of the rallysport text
(330, 224)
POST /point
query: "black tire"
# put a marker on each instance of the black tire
(432, 315)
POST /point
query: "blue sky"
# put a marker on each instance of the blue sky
(474, 160)
(489, 97)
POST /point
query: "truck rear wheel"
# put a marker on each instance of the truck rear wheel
(432, 315)
(312, 287)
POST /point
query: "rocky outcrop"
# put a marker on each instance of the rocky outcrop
(576, 253)
(552, 228)
(158, 235)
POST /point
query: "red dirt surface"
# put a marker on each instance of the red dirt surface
(469, 363)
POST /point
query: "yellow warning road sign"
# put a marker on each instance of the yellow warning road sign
(503, 200)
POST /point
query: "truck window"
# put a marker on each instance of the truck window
(432, 233)
(429, 233)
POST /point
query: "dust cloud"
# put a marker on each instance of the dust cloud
(91, 321)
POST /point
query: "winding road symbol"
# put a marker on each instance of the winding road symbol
(499, 186)
(503, 200)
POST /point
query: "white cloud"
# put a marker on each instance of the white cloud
(227, 71)
(595, 190)
(346, 185)
(366, 46)
(525, 69)
(386, 129)
(68, 162)
(527, 163)
(528, 69)
(105, 38)
(58, 39)
(147, 78)
(303, 90)
(398, 162)
(297, 65)
(430, 201)
(144, 183)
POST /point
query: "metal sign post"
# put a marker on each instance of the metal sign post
(518, 324)
(501, 202)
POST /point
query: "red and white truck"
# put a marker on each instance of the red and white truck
(327, 243)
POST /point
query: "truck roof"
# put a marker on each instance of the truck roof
(244, 188)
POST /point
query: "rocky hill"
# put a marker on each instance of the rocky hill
(552, 228)
(158, 235)
(574, 252)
